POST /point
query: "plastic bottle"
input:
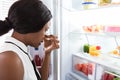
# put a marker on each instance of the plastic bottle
(37, 58)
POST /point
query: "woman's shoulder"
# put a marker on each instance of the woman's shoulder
(9, 55)
(10, 63)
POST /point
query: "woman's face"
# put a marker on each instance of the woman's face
(38, 37)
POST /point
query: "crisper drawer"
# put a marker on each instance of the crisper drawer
(91, 69)
(83, 68)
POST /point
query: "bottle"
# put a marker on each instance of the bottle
(37, 58)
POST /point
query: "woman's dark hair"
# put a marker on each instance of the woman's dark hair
(26, 16)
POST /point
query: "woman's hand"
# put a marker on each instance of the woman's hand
(51, 42)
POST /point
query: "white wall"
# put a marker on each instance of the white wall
(4, 7)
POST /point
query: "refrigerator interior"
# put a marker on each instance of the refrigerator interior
(73, 37)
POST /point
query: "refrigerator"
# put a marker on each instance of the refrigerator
(95, 24)
(78, 23)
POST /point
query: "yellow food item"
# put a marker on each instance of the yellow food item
(104, 1)
(94, 53)
(92, 48)
(116, 51)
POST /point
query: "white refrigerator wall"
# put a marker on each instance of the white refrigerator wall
(73, 42)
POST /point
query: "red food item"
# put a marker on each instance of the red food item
(85, 69)
(89, 29)
(98, 47)
(90, 68)
(78, 67)
(105, 76)
(110, 77)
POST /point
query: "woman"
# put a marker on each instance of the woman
(29, 19)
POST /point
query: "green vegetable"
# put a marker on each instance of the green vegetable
(86, 48)
(116, 78)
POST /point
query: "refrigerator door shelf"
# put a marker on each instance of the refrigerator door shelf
(77, 34)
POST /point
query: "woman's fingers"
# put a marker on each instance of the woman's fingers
(51, 40)
(48, 37)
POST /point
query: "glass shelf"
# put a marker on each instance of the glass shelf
(106, 34)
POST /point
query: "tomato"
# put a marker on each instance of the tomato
(78, 67)
(85, 68)
(98, 47)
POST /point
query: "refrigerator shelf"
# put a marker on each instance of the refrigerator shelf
(76, 5)
(115, 34)
(104, 34)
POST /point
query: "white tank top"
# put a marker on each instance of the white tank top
(29, 73)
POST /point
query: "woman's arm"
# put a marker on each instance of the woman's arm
(50, 43)
(44, 70)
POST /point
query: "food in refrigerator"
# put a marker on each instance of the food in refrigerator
(86, 48)
(89, 5)
(112, 29)
(84, 68)
(104, 2)
(110, 76)
(93, 28)
(90, 68)
(95, 68)
(107, 76)
(93, 50)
